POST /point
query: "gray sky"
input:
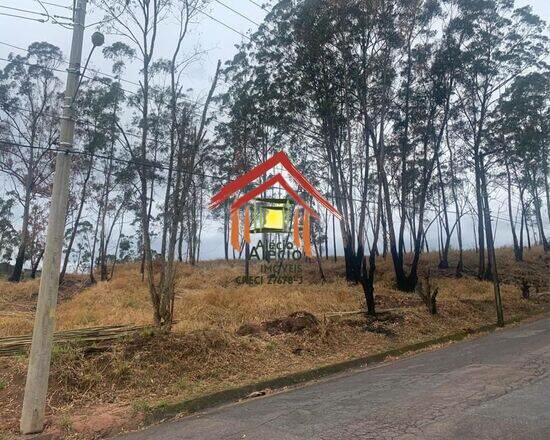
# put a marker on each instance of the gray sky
(206, 35)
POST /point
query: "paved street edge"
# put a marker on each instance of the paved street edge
(168, 411)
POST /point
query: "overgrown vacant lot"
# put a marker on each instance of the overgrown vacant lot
(227, 335)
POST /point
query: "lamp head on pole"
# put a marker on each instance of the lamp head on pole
(98, 39)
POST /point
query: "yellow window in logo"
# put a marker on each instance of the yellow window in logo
(274, 219)
(271, 215)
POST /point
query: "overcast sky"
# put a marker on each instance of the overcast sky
(210, 37)
(217, 41)
(206, 35)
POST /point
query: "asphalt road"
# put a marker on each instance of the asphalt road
(493, 387)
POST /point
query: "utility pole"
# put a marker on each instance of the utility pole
(36, 387)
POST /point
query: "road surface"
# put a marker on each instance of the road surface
(493, 387)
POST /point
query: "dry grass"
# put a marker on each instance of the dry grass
(16, 306)
(208, 297)
(204, 354)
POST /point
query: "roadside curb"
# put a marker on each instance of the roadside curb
(167, 411)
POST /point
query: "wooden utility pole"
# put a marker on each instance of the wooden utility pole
(36, 387)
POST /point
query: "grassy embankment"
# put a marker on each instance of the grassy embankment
(205, 354)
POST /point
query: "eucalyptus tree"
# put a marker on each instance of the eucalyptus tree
(427, 82)
(99, 103)
(29, 103)
(368, 86)
(37, 236)
(138, 23)
(288, 85)
(186, 137)
(524, 128)
(500, 43)
(373, 75)
(169, 135)
(255, 100)
(297, 81)
(324, 67)
(8, 233)
(458, 169)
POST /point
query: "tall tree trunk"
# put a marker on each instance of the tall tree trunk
(518, 252)
(326, 234)
(34, 268)
(77, 220)
(17, 273)
(92, 256)
(460, 264)
(538, 217)
(226, 232)
(546, 183)
(116, 248)
(491, 246)
(446, 240)
(334, 239)
(180, 243)
(482, 271)
(367, 273)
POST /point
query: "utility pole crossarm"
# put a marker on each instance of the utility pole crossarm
(36, 387)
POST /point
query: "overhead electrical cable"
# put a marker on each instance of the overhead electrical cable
(99, 79)
(259, 5)
(211, 176)
(149, 164)
(48, 17)
(237, 12)
(224, 24)
(54, 17)
(54, 69)
(57, 5)
(28, 11)
(97, 72)
(91, 124)
(39, 20)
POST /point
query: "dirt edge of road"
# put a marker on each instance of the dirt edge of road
(167, 411)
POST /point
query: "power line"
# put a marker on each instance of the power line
(53, 17)
(39, 20)
(57, 5)
(211, 176)
(224, 24)
(54, 69)
(259, 5)
(99, 80)
(135, 135)
(97, 72)
(138, 136)
(45, 14)
(13, 46)
(60, 70)
(237, 12)
(42, 5)
(107, 157)
(91, 124)
(28, 11)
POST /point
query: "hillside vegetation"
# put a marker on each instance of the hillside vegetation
(228, 335)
